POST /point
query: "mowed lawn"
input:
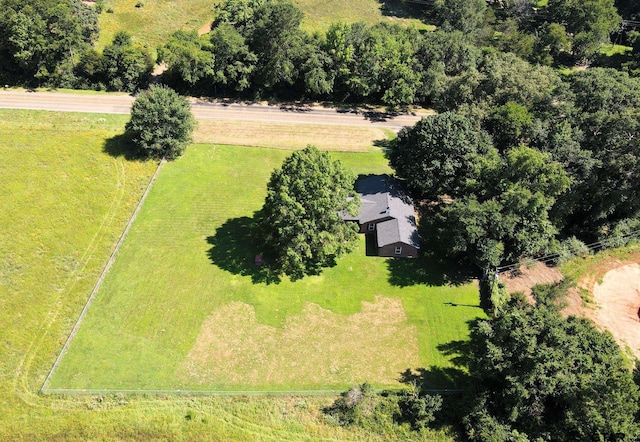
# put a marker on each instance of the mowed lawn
(184, 307)
(64, 204)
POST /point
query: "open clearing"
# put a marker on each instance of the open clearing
(188, 263)
(607, 290)
(617, 300)
(65, 203)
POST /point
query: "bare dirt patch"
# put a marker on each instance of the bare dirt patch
(611, 287)
(617, 298)
(206, 28)
(316, 346)
(525, 278)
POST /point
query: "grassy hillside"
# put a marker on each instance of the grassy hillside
(65, 202)
(152, 23)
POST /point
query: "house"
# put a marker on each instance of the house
(387, 214)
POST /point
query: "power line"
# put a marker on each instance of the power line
(551, 256)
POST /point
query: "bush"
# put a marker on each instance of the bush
(353, 405)
(569, 249)
(623, 232)
(417, 409)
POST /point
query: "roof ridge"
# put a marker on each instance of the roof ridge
(386, 195)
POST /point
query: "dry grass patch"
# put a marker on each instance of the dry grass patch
(314, 347)
(288, 136)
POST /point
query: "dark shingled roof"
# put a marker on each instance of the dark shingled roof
(383, 196)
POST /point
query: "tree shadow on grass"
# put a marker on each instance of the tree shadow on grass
(453, 384)
(435, 379)
(404, 272)
(122, 146)
(435, 264)
(384, 145)
(402, 9)
(234, 248)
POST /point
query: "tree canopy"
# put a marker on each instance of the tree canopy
(161, 123)
(439, 154)
(300, 221)
(539, 376)
(41, 37)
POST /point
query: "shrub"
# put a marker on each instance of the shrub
(623, 232)
(570, 248)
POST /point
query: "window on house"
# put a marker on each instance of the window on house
(371, 226)
(398, 250)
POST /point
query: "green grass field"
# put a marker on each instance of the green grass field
(185, 277)
(65, 203)
(153, 23)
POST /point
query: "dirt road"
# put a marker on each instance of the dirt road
(121, 104)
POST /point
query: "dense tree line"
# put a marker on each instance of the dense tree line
(50, 43)
(122, 66)
(522, 159)
(41, 39)
(535, 375)
(257, 49)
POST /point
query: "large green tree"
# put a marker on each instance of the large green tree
(608, 108)
(300, 221)
(161, 123)
(40, 39)
(189, 59)
(126, 67)
(505, 214)
(439, 154)
(234, 62)
(539, 376)
(461, 15)
(590, 22)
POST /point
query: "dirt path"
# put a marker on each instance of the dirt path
(525, 278)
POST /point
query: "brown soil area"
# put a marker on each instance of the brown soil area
(526, 277)
(611, 286)
(205, 29)
(316, 346)
(617, 299)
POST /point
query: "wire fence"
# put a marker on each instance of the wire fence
(179, 392)
(76, 326)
